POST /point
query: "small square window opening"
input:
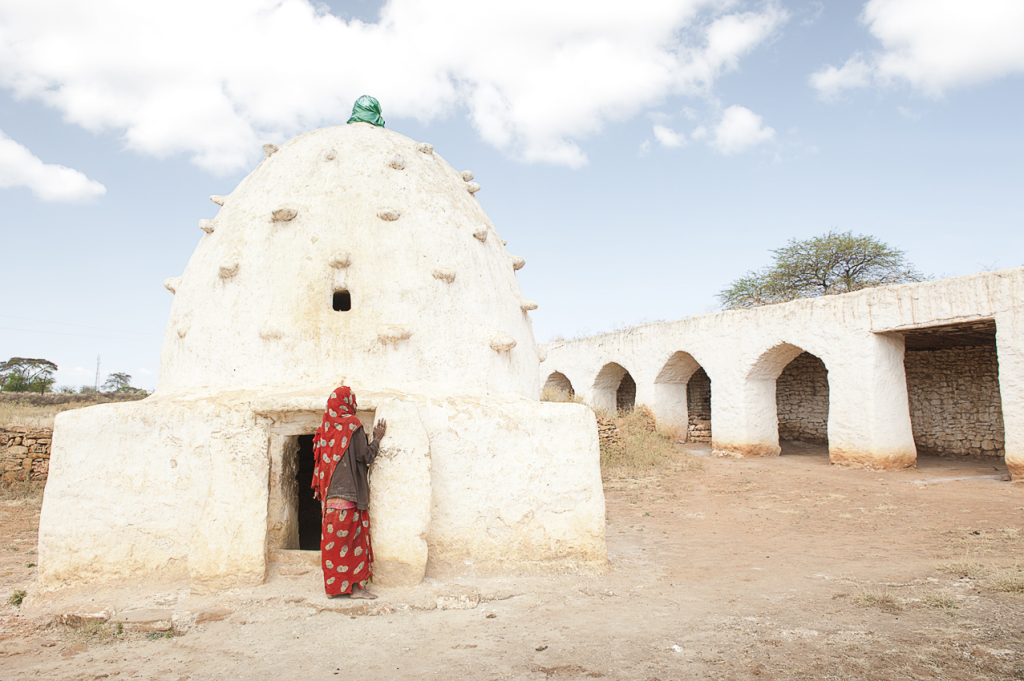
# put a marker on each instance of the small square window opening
(342, 301)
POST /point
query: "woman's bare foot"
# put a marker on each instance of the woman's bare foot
(359, 592)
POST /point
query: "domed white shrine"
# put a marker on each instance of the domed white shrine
(350, 255)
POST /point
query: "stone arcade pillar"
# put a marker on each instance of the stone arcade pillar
(1010, 350)
(869, 415)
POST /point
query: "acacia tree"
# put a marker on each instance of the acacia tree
(824, 265)
(22, 374)
(118, 382)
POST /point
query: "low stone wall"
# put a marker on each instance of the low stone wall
(607, 432)
(801, 398)
(955, 405)
(25, 453)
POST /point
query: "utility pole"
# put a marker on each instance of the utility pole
(97, 386)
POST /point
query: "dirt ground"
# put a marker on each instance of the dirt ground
(781, 567)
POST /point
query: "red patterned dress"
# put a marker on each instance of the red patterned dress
(340, 483)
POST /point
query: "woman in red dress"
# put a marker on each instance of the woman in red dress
(340, 482)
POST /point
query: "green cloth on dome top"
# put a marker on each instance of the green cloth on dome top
(367, 110)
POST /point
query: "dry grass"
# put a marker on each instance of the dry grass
(965, 568)
(883, 600)
(549, 394)
(1008, 581)
(941, 601)
(30, 415)
(24, 413)
(93, 634)
(641, 447)
(17, 491)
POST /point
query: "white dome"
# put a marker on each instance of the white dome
(359, 210)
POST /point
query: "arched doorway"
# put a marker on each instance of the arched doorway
(614, 389)
(698, 407)
(558, 388)
(625, 395)
(801, 401)
(682, 396)
(786, 400)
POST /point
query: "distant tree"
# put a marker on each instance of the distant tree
(118, 382)
(21, 374)
(824, 265)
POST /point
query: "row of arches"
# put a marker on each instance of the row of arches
(682, 394)
(950, 372)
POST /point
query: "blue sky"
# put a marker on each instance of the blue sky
(639, 161)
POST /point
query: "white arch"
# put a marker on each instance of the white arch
(759, 405)
(560, 385)
(670, 398)
(606, 384)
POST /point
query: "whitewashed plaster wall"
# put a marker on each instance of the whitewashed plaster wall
(435, 306)
(463, 485)
(855, 335)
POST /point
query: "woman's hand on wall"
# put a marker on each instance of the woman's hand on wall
(380, 429)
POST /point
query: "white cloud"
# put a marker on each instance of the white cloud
(669, 137)
(19, 167)
(934, 45)
(214, 78)
(831, 82)
(739, 130)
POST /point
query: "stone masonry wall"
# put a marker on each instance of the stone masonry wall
(25, 453)
(955, 405)
(801, 398)
(698, 407)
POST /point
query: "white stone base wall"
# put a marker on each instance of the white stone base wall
(955, 405)
(198, 488)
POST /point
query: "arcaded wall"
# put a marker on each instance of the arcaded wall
(955, 405)
(801, 399)
(861, 338)
(698, 407)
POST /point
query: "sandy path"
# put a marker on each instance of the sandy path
(754, 568)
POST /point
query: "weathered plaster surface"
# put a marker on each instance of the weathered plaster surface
(366, 226)
(854, 335)
(498, 497)
(472, 484)
(160, 488)
(197, 481)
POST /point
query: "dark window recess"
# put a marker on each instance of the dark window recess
(308, 507)
(342, 301)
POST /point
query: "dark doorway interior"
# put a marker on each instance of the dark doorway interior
(698, 406)
(309, 508)
(625, 396)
